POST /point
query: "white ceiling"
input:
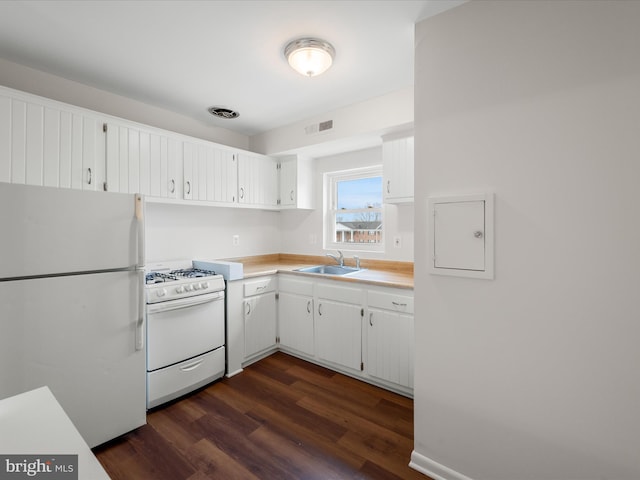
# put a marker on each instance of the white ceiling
(186, 56)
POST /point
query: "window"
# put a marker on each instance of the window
(353, 209)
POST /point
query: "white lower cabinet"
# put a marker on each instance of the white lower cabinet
(338, 326)
(251, 321)
(259, 313)
(389, 333)
(363, 332)
(295, 315)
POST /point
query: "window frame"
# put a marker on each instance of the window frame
(330, 184)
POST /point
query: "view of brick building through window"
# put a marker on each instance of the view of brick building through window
(358, 217)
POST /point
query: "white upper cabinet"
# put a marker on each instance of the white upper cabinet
(257, 180)
(139, 161)
(210, 173)
(49, 143)
(295, 182)
(43, 142)
(397, 159)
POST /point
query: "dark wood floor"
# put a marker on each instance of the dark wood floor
(282, 418)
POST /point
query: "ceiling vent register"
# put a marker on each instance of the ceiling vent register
(222, 112)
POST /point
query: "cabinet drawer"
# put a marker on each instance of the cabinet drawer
(171, 382)
(390, 301)
(257, 287)
(292, 285)
(339, 293)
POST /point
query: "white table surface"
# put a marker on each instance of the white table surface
(34, 423)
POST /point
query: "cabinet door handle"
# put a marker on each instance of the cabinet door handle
(241, 192)
(388, 186)
(309, 306)
(172, 188)
(89, 176)
(291, 195)
(247, 308)
(399, 304)
(188, 185)
(371, 318)
(320, 309)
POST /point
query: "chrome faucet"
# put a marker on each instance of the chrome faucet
(338, 258)
(357, 259)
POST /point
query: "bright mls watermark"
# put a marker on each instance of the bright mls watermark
(50, 467)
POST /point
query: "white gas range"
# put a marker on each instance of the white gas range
(171, 284)
(185, 312)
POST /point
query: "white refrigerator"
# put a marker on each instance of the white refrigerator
(71, 304)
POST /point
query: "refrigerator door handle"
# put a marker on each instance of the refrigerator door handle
(141, 313)
(139, 209)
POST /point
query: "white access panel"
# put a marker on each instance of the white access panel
(461, 236)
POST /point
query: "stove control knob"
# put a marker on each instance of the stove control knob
(205, 285)
(188, 287)
(196, 286)
(161, 293)
(179, 289)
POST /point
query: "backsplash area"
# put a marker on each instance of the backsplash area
(185, 232)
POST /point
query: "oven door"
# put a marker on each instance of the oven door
(181, 329)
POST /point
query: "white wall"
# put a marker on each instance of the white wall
(61, 89)
(533, 375)
(179, 232)
(354, 127)
(302, 230)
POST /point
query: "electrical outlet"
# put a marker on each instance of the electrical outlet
(236, 239)
(397, 241)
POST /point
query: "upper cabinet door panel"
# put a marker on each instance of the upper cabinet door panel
(5, 139)
(397, 157)
(42, 143)
(257, 180)
(34, 139)
(139, 161)
(210, 173)
(296, 182)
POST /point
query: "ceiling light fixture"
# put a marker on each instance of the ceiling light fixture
(309, 56)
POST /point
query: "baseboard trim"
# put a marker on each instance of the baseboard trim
(434, 469)
(231, 374)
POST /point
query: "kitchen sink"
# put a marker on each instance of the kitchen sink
(330, 270)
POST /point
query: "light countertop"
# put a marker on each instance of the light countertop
(375, 272)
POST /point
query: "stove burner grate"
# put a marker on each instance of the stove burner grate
(192, 273)
(158, 277)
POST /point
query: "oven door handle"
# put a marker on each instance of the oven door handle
(184, 302)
